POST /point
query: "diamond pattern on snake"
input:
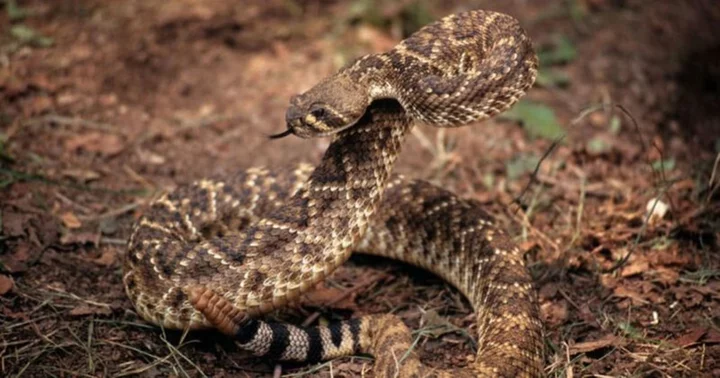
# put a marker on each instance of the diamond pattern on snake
(220, 253)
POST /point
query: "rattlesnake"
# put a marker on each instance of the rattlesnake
(219, 253)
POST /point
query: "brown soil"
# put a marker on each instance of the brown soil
(136, 97)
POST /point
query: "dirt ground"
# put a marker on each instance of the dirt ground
(103, 104)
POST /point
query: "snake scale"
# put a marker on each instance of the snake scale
(221, 252)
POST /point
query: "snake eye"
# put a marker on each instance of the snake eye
(318, 112)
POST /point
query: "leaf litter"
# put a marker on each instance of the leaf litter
(585, 212)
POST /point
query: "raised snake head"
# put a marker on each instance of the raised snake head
(329, 107)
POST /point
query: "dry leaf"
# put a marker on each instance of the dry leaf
(435, 324)
(106, 144)
(666, 276)
(691, 337)
(589, 346)
(70, 220)
(555, 312)
(13, 224)
(549, 290)
(81, 175)
(6, 284)
(107, 258)
(22, 252)
(324, 296)
(85, 309)
(624, 292)
(636, 267)
(81, 238)
(608, 281)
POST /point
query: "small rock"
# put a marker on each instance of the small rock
(656, 209)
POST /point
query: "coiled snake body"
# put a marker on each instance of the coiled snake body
(219, 253)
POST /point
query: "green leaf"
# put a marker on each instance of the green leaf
(578, 10)
(666, 165)
(418, 14)
(615, 125)
(597, 145)
(14, 12)
(562, 51)
(28, 35)
(521, 164)
(538, 119)
(488, 180)
(552, 78)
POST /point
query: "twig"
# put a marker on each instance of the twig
(24, 177)
(73, 121)
(136, 176)
(112, 213)
(534, 230)
(533, 178)
(72, 203)
(711, 184)
(568, 188)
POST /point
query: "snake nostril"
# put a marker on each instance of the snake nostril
(293, 116)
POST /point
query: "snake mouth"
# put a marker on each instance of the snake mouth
(338, 130)
(291, 131)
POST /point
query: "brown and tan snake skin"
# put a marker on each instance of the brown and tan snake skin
(220, 253)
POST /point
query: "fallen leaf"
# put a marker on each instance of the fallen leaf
(590, 346)
(13, 224)
(666, 276)
(624, 292)
(150, 157)
(81, 175)
(17, 262)
(436, 325)
(609, 281)
(85, 309)
(549, 290)
(324, 296)
(555, 312)
(70, 220)
(691, 337)
(102, 143)
(107, 258)
(712, 337)
(6, 284)
(45, 230)
(80, 238)
(636, 267)
(39, 105)
(670, 256)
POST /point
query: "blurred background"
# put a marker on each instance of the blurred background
(103, 104)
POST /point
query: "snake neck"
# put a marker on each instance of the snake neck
(339, 198)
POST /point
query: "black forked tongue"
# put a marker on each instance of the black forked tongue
(281, 134)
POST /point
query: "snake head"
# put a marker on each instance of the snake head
(331, 106)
